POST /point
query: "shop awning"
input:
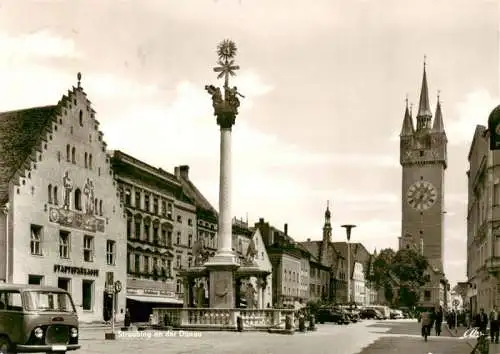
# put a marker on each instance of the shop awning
(155, 299)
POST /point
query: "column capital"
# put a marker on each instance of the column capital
(226, 120)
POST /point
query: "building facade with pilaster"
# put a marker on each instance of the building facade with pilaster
(160, 228)
(483, 213)
(63, 225)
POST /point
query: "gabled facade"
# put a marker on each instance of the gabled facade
(63, 224)
(290, 263)
(254, 241)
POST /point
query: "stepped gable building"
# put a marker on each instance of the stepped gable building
(161, 227)
(328, 273)
(423, 158)
(62, 223)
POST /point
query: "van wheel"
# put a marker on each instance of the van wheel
(4, 345)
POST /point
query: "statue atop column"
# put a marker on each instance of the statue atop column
(227, 105)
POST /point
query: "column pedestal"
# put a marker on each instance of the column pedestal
(222, 292)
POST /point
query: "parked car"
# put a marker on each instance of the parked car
(370, 314)
(36, 318)
(396, 315)
(328, 314)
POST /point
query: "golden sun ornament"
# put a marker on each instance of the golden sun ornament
(226, 50)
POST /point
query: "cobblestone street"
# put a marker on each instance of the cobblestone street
(364, 338)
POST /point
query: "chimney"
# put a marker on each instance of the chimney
(285, 229)
(261, 220)
(182, 172)
(308, 240)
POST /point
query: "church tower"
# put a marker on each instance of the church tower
(423, 160)
(327, 235)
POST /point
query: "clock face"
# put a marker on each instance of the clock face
(421, 195)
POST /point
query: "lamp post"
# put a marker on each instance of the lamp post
(348, 229)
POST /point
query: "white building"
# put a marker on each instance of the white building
(63, 223)
(265, 295)
(358, 287)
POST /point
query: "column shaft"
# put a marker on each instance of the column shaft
(225, 218)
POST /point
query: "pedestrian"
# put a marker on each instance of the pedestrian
(494, 325)
(127, 318)
(438, 318)
(481, 321)
(426, 322)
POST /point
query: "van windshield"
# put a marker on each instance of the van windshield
(49, 301)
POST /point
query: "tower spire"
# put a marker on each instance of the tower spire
(424, 115)
(407, 129)
(438, 126)
(328, 214)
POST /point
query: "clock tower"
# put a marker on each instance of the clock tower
(423, 159)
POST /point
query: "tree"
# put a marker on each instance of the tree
(400, 274)
(410, 268)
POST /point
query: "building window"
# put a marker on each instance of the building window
(56, 198)
(169, 267)
(155, 206)
(68, 153)
(49, 193)
(146, 202)
(169, 238)
(64, 244)
(190, 222)
(179, 218)
(129, 226)
(35, 279)
(178, 261)
(96, 206)
(164, 237)
(90, 161)
(190, 260)
(110, 252)
(137, 263)
(138, 199)
(36, 240)
(178, 241)
(73, 155)
(427, 295)
(128, 199)
(78, 199)
(88, 248)
(81, 118)
(64, 283)
(156, 235)
(85, 159)
(100, 207)
(178, 286)
(169, 210)
(87, 292)
(137, 228)
(164, 208)
(190, 240)
(146, 264)
(146, 231)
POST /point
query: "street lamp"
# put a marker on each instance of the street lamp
(348, 229)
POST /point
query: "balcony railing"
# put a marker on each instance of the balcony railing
(256, 319)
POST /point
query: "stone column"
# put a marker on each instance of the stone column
(225, 219)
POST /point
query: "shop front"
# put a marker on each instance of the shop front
(144, 295)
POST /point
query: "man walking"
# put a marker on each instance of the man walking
(439, 320)
(494, 325)
(481, 321)
(426, 320)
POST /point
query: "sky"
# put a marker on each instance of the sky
(324, 84)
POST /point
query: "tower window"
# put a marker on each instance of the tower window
(421, 153)
(81, 118)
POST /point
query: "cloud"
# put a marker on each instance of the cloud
(474, 109)
(40, 44)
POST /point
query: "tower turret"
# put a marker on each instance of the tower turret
(424, 115)
(327, 234)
